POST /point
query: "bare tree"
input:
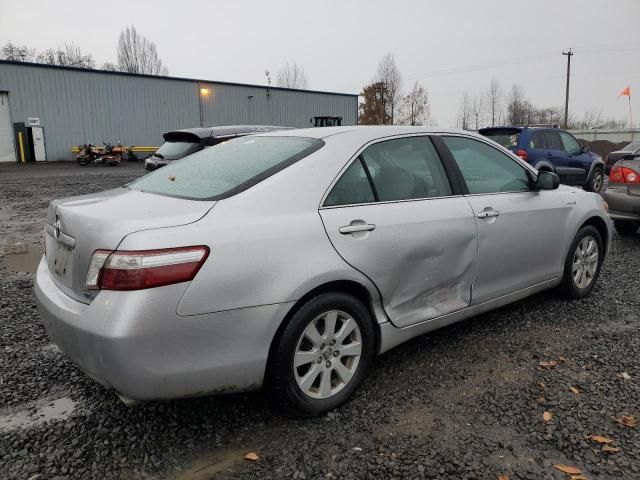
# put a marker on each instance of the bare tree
(110, 67)
(136, 54)
(414, 106)
(389, 75)
(494, 99)
(17, 53)
(464, 116)
(518, 108)
(292, 76)
(70, 56)
(477, 108)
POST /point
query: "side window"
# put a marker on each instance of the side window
(553, 140)
(406, 168)
(537, 140)
(352, 188)
(569, 143)
(486, 169)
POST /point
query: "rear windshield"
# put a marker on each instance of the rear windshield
(226, 169)
(176, 150)
(506, 138)
(632, 147)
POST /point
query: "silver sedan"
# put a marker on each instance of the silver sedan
(291, 259)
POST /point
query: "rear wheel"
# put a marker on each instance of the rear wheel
(624, 227)
(322, 354)
(596, 183)
(582, 264)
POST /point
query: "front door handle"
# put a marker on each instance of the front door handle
(488, 213)
(358, 227)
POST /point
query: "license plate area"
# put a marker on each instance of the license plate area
(59, 259)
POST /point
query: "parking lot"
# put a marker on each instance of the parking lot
(525, 391)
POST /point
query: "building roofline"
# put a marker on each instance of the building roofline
(182, 79)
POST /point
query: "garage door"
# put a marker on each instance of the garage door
(7, 150)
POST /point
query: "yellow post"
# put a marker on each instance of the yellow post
(21, 147)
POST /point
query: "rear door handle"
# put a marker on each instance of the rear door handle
(488, 213)
(362, 227)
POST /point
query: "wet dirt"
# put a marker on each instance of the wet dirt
(23, 259)
(42, 412)
(222, 460)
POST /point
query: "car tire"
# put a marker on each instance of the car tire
(596, 182)
(308, 385)
(624, 227)
(581, 269)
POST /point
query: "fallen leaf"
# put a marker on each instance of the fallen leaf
(624, 376)
(567, 469)
(562, 359)
(547, 416)
(549, 364)
(578, 477)
(541, 384)
(574, 390)
(503, 477)
(251, 456)
(610, 449)
(600, 439)
(172, 178)
(627, 420)
(540, 401)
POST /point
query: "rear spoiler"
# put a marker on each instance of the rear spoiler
(181, 137)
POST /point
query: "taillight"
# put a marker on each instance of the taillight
(522, 154)
(137, 270)
(624, 175)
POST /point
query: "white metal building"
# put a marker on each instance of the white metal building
(68, 106)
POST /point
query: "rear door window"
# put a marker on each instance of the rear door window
(538, 140)
(227, 169)
(553, 140)
(352, 188)
(406, 168)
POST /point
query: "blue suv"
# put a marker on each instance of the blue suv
(553, 150)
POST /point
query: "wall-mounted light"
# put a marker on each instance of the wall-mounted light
(204, 91)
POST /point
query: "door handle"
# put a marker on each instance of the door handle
(488, 213)
(362, 227)
(548, 154)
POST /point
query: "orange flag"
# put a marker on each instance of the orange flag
(626, 92)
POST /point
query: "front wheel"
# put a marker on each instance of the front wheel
(596, 183)
(624, 227)
(322, 354)
(582, 264)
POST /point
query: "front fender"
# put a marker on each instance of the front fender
(596, 163)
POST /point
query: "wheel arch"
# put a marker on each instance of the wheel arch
(349, 287)
(545, 166)
(599, 224)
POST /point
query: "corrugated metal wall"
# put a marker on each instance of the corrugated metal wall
(76, 106)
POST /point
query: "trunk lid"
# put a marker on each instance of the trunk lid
(77, 226)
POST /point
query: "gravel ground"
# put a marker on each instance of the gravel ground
(466, 402)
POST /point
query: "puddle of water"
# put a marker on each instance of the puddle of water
(218, 461)
(21, 257)
(54, 410)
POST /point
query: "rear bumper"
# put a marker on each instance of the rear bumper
(154, 164)
(135, 342)
(622, 206)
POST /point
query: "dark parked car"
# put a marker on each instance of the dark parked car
(180, 143)
(623, 194)
(552, 150)
(610, 160)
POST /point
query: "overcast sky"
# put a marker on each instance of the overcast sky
(449, 46)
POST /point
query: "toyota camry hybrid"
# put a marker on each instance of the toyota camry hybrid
(290, 259)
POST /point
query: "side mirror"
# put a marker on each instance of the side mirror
(585, 149)
(547, 181)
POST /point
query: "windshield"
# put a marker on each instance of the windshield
(506, 138)
(176, 150)
(226, 169)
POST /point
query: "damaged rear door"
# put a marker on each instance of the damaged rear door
(394, 216)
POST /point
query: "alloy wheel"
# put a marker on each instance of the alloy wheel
(598, 181)
(327, 354)
(585, 262)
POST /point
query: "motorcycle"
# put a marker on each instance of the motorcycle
(131, 154)
(87, 154)
(90, 155)
(112, 155)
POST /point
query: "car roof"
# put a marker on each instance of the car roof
(225, 130)
(365, 132)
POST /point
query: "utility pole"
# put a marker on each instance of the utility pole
(569, 54)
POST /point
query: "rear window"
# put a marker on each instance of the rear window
(506, 138)
(632, 147)
(176, 150)
(226, 169)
